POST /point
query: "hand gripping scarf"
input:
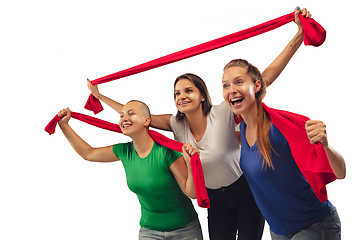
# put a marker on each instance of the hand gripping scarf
(196, 168)
(311, 159)
(314, 34)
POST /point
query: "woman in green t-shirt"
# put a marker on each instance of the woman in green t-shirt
(157, 175)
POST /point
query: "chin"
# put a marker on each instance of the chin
(185, 111)
(237, 111)
(125, 132)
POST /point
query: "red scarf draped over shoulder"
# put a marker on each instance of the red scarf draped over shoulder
(196, 167)
(311, 159)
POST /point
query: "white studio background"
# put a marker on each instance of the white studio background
(49, 48)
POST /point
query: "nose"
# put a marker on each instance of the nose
(181, 95)
(232, 88)
(123, 119)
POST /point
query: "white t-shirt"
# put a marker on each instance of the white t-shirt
(219, 148)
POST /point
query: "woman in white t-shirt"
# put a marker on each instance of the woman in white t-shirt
(211, 131)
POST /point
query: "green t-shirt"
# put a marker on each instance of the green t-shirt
(164, 207)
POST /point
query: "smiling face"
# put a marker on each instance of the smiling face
(239, 90)
(133, 119)
(187, 96)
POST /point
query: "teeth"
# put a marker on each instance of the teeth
(235, 99)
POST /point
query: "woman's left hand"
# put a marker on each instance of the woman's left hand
(316, 131)
(303, 12)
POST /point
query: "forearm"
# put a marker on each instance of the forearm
(271, 73)
(337, 162)
(161, 122)
(189, 185)
(110, 102)
(78, 144)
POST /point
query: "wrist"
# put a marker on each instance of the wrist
(188, 165)
(300, 33)
(63, 124)
(327, 148)
(97, 95)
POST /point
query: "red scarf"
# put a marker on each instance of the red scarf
(196, 167)
(311, 159)
(314, 34)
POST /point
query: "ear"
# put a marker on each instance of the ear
(257, 86)
(147, 122)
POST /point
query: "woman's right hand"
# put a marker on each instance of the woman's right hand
(189, 151)
(93, 89)
(65, 115)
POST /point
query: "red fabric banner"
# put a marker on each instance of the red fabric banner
(314, 34)
(196, 167)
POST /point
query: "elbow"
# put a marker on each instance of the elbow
(87, 159)
(340, 171)
(190, 193)
(90, 159)
(192, 196)
(87, 156)
(341, 175)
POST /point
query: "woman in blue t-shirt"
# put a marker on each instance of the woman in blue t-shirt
(282, 194)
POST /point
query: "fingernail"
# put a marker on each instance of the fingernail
(298, 8)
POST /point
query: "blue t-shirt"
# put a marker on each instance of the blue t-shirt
(283, 195)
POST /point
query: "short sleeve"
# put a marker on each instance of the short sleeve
(280, 138)
(121, 150)
(224, 113)
(172, 156)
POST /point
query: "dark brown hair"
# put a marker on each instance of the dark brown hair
(200, 84)
(263, 120)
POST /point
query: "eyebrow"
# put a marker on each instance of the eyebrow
(236, 78)
(122, 112)
(177, 90)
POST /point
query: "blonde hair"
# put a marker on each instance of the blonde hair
(263, 120)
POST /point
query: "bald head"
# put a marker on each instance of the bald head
(143, 108)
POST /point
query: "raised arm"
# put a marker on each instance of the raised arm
(157, 121)
(316, 131)
(271, 73)
(108, 101)
(104, 154)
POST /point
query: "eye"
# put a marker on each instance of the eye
(177, 93)
(188, 90)
(239, 82)
(225, 86)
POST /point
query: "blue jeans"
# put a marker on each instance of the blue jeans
(328, 228)
(191, 231)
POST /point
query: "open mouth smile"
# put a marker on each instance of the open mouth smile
(126, 126)
(236, 101)
(182, 104)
